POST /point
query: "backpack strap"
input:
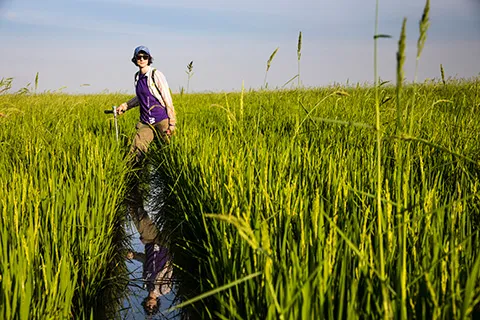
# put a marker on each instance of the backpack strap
(158, 89)
(135, 77)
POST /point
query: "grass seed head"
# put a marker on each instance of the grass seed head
(299, 47)
(424, 25)
(271, 58)
(401, 54)
(442, 73)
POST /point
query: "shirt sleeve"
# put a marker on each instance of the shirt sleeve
(162, 85)
(139, 256)
(132, 102)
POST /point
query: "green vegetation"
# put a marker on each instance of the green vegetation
(289, 190)
(275, 193)
(342, 202)
(62, 177)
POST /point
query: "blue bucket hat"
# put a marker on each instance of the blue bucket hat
(141, 48)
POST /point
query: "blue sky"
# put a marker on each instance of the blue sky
(72, 43)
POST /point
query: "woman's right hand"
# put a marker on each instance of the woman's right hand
(122, 108)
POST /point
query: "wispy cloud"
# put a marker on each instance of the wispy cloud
(253, 6)
(268, 19)
(43, 18)
(289, 10)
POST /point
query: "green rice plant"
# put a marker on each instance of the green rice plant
(303, 211)
(400, 75)
(424, 24)
(299, 55)
(36, 82)
(63, 178)
(189, 73)
(269, 61)
(402, 212)
(5, 84)
(442, 74)
(379, 177)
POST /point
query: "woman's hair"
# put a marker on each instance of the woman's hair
(154, 310)
(150, 59)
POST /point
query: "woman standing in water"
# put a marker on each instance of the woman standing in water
(157, 113)
(157, 118)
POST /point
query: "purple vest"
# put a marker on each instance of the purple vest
(155, 259)
(151, 111)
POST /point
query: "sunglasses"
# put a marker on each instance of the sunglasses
(144, 57)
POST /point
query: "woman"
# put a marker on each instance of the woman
(157, 114)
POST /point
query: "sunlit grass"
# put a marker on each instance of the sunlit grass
(62, 180)
(282, 183)
(295, 198)
(341, 202)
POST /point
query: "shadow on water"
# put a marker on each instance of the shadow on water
(152, 287)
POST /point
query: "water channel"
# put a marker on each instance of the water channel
(133, 305)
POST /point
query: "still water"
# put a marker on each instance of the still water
(137, 294)
(132, 305)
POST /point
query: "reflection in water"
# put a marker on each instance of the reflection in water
(152, 286)
(132, 305)
(157, 274)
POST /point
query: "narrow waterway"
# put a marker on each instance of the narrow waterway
(133, 306)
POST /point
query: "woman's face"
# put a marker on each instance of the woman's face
(142, 59)
(150, 304)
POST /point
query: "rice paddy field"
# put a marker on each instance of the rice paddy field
(280, 190)
(285, 204)
(62, 177)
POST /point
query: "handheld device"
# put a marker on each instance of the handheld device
(115, 113)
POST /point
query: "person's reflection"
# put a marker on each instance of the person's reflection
(156, 260)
